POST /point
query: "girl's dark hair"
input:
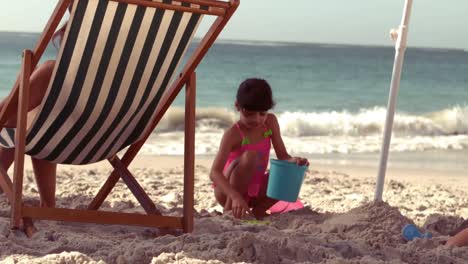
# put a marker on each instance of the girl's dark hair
(255, 95)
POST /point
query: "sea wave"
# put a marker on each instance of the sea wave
(208, 143)
(366, 122)
(450, 121)
(324, 132)
(207, 119)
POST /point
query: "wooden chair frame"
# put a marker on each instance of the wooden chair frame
(21, 215)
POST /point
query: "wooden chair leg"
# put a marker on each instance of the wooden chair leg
(20, 141)
(115, 176)
(189, 153)
(133, 185)
(104, 191)
(7, 187)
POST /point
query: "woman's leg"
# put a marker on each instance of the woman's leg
(39, 82)
(239, 174)
(44, 171)
(7, 155)
(6, 159)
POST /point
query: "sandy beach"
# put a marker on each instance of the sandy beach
(339, 224)
(335, 80)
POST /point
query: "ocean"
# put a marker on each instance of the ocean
(331, 99)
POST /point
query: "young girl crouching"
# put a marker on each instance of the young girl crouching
(239, 168)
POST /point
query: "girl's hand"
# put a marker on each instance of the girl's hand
(299, 161)
(240, 209)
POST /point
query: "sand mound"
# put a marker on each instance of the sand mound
(338, 225)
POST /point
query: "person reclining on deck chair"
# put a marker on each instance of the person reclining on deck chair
(44, 171)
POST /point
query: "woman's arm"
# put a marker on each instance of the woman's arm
(278, 144)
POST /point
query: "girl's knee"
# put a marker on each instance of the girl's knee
(220, 196)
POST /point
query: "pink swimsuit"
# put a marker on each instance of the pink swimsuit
(263, 151)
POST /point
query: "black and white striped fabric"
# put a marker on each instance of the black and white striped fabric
(115, 63)
(7, 138)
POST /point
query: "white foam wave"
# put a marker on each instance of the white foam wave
(372, 144)
(207, 119)
(208, 143)
(325, 132)
(366, 122)
(451, 121)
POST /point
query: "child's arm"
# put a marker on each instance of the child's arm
(278, 144)
(460, 239)
(218, 178)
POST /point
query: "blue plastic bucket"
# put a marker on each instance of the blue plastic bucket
(285, 180)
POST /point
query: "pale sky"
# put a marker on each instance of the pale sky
(434, 23)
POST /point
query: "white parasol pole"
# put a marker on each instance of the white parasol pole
(400, 49)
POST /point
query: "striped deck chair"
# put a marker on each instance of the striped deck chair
(112, 83)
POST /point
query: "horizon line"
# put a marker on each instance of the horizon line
(340, 44)
(297, 42)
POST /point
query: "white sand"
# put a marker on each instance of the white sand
(340, 224)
